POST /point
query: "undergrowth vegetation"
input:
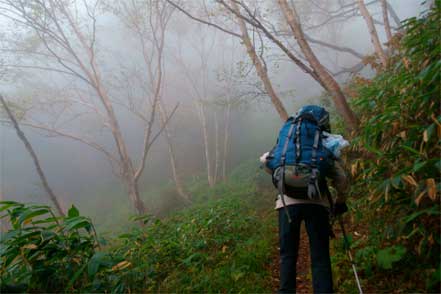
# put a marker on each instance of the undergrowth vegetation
(397, 177)
(221, 243)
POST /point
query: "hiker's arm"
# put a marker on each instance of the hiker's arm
(267, 157)
(264, 160)
(339, 181)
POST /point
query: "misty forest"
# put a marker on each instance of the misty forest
(131, 132)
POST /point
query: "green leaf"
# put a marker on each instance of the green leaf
(418, 165)
(94, 263)
(77, 223)
(429, 211)
(430, 130)
(435, 278)
(29, 214)
(438, 165)
(45, 221)
(7, 204)
(98, 259)
(396, 181)
(410, 149)
(73, 212)
(387, 256)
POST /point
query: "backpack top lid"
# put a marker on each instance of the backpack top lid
(318, 113)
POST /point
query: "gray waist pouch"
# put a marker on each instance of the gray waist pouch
(298, 176)
(299, 181)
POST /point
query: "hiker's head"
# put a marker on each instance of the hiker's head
(320, 114)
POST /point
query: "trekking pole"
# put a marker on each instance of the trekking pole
(346, 241)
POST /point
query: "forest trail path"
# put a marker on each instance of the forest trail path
(304, 285)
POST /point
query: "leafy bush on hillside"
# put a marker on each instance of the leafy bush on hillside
(220, 244)
(398, 176)
(41, 251)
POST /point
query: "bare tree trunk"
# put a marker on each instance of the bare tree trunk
(386, 20)
(216, 148)
(31, 151)
(260, 67)
(129, 172)
(327, 80)
(133, 191)
(203, 120)
(177, 179)
(373, 33)
(226, 139)
(394, 16)
(94, 76)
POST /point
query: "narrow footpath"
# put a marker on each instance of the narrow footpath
(304, 285)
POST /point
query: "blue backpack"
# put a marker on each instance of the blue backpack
(299, 160)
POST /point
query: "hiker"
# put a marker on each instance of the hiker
(300, 164)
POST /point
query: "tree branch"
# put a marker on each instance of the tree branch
(252, 20)
(154, 138)
(52, 131)
(334, 47)
(203, 21)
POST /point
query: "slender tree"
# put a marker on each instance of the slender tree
(259, 65)
(387, 28)
(226, 142)
(52, 197)
(203, 120)
(148, 20)
(373, 33)
(172, 154)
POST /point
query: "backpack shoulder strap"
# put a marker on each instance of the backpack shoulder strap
(313, 188)
(317, 136)
(297, 140)
(285, 146)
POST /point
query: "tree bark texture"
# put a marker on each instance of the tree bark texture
(260, 68)
(327, 80)
(373, 33)
(31, 151)
(386, 20)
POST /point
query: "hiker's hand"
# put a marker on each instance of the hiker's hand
(340, 208)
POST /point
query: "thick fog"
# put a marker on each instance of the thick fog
(201, 66)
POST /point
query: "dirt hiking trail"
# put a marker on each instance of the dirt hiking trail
(304, 285)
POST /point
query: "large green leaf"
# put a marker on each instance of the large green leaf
(387, 256)
(73, 212)
(7, 204)
(30, 213)
(97, 260)
(77, 223)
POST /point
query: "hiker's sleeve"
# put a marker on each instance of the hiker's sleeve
(269, 157)
(264, 160)
(339, 181)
